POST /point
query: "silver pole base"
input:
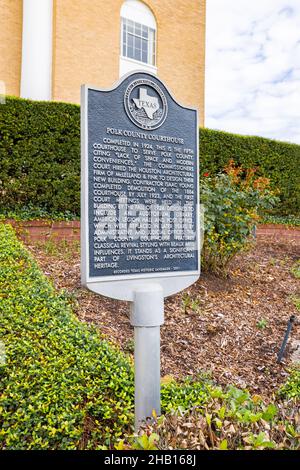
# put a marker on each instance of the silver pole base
(147, 373)
(147, 315)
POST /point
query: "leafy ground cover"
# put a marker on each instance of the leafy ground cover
(40, 146)
(289, 220)
(232, 419)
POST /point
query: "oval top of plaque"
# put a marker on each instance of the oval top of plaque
(139, 188)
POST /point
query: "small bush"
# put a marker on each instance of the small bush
(296, 270)
(233, 202)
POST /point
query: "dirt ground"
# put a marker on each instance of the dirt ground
(230, 328)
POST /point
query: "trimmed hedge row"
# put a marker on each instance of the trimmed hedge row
(40, 163)
(62, 385)
(40, 157)
(279, 161)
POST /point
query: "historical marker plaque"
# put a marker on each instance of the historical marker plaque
(140, 205)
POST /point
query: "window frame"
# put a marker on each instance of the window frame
(151, 43)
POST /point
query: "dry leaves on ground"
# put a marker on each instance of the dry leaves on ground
(231, 328)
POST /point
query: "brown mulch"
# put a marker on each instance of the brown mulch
(221, 337)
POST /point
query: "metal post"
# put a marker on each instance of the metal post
(147, 314)
(285, 339)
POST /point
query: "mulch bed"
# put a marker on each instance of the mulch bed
(221, 337)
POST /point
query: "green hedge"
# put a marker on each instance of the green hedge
(40, 157)
(40, 162)
(279, 161)
(62, 385)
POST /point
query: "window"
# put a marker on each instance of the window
(138, 38)
(138, 42)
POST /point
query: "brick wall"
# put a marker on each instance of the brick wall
(43, 230)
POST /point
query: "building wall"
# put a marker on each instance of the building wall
(86, 46)
(11, 45)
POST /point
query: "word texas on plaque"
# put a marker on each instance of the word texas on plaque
(140, 207)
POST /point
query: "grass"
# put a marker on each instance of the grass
(296, 270)
(289, 220)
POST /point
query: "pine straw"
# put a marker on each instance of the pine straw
(221, 337)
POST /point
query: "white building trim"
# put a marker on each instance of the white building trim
(138, 12)
(36, 72)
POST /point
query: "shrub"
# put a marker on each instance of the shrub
(63, 386)
(40, 160)
(40, 157)
(296, 269)
(232, 420)
(232, 201)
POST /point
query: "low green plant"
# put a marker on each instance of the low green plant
(129, 346)
(187, 393)
(30, 212)
(296, 301)
(259, 441)
(195, 304)
(64, 249)
(296, 270)
(262, 324)
(279, 161)
(289, 220)
(186, 302)
(63, 385)
(232, 419)
(291, 389)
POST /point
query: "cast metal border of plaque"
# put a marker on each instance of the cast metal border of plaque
(159, 91)
(123, 287)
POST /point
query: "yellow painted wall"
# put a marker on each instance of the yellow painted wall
(11, 45)
(86, 46)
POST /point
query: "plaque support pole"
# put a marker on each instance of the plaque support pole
(147, 315)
